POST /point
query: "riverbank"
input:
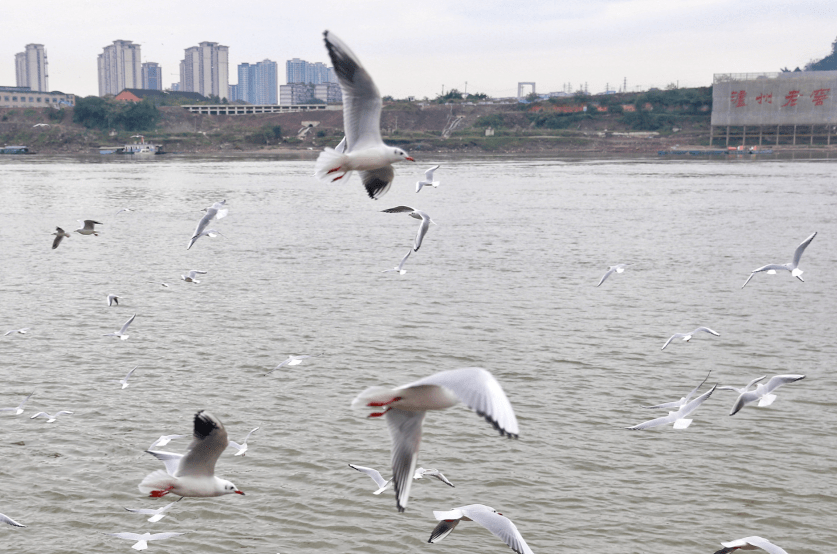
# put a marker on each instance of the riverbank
(459, 128)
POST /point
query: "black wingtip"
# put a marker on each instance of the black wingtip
(204, 425)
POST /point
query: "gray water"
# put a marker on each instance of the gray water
(505, 281)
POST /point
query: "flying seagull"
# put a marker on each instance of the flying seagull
(406, 406)
(113, 299)
(400, 267)
(164, 440)
(88, 228)
(762, 393)
(385, 484)
(143, 539)
(215, 211)
(60, 234)
(121, 333)
(688, 336)
(50, 418)
(124, 381)
(195, 473)
(190, 277)
(291, 361)
(242, 448)
(488, 517)
(428, 179)
(750, 543)
(19, 409)
(618, 268)
(16, 331)
(156, 515)
(793, 266)
(417, 214)
(678, 418)
(365, 150)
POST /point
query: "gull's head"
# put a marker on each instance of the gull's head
(398, 155)
(227, 487)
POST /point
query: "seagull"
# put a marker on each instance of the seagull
(418, 214)
(13, 331)
(407, 405)
(793, 266)
(144, 538)
(88, 228)
(385, 484)
(292, 360)
(750, 543)
(400, 267)
(60, 234)
(164, 440)
(190, 277)
(10, 521)
(113, 299)
(19, 409)
(428, 179)
(688, 336)
(195, 474)
(762, 393)
(41, 125)
(678, 418)
(127, 210)
(242, 448)
(682, 401)
(156, 515)
(211, 233)
(125, 380)
(618, 268)
(365, 150)
(121, 333)
(50, 418)
(215, 211)
(488, 517)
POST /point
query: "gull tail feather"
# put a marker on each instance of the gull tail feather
(156, 481)
(329, 161)
(373, 394)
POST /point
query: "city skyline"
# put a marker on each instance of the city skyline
(482, 46)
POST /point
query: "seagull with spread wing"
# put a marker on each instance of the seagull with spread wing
(365, 150)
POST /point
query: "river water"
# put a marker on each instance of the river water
(505, 281)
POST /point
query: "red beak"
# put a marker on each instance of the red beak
(409, 158)
(239, 492)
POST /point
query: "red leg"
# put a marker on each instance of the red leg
(333, 170)
(162, 493)
(384, 403)
(338, 178)
(378, 414)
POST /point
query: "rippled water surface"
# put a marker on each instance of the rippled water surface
(506, 281)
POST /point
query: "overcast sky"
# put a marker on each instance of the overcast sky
(418, 47)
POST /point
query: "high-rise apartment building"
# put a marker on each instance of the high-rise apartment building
(300, 71)
(31, 68)
(258, 83)
(120, 67)
(152, 76)
(205, 69)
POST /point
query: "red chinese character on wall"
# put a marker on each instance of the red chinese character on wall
(766, 98)
(738, 97)
(819, 96)
(791, 98)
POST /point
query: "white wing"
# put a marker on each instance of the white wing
(671, 338)
(801, 248)
(250, 433)
(10, 521)
(209, 442)
(405, 432)
(759, 542)
(210, 214)
(373, 473)
(499, 525)
(779, 380)
(422, 230)
(606, 275)
(438, 475)
(361, 99)
(170, 459)
(742, 400)
(428, 174)
(479, 390)
(127, 323)
(705, 330)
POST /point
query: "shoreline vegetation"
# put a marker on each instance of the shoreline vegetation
(633, 123)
